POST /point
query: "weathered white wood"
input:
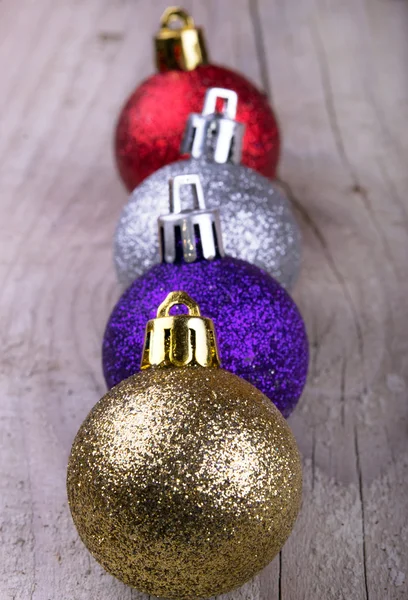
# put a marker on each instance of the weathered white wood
(338, 82)
(337, 74)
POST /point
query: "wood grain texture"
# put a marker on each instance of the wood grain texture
(337, 75)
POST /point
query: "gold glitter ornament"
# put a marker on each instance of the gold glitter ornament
(184, 480)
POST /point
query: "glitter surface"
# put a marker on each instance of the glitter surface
(256, 219)
(260, 332)
(184, 483)
(151, 125)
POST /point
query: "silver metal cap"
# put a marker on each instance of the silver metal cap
(191, 234)
(215, 135)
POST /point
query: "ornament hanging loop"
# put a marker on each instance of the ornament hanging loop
(230, 98)
(178, 298)
(175, 185)
(174, 15)
(179, 48)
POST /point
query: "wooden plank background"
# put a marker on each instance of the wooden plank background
(337, 75)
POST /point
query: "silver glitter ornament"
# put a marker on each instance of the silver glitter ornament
(257, 222)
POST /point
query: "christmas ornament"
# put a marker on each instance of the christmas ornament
(257, 222)
(184, 480)
(151, 124)
(261, 333)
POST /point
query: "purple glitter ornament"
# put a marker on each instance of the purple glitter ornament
(261, 334)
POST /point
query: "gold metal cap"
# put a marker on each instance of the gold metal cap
(180, 340)
(180, 45)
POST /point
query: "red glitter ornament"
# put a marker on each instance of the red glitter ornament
(151, 124)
